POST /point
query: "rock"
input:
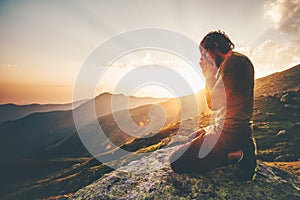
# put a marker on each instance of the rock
(281, 133)
(278, 95)
(288, 106)
(152, 178)
(258, 114)
(255, 128)
(269, 114)
(280, 159)
(296, 125)
(295, 99)
(295, 106)
(285, 98)
(291, 100)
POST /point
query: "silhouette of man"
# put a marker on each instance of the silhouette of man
(229, 95)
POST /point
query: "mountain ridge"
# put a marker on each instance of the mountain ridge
(44, 128)
(12, 111)
(284, 81)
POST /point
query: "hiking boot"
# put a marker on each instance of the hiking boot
(247, 166)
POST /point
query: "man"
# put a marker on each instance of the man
(229, 94)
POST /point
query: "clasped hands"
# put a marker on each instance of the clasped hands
(208, 66)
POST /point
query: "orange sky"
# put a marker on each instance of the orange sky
(30, 93)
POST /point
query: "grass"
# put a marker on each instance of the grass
(291, 167)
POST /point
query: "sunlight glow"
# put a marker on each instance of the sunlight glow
(44, 44)
(123, 66)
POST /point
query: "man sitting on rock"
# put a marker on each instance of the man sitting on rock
(229, 95)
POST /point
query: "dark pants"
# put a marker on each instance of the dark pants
(186, 159)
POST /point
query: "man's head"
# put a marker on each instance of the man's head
(216, 44)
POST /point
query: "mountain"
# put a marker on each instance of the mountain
(39, 130)
(287, 80)
(14, 112)
(72, 146)
(68, 151)
(107, 103)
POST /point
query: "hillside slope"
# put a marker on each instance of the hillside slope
(287, 80)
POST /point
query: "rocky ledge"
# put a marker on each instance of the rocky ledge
(152, 178)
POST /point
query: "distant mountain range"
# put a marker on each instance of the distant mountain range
(14, 112)
(38, 130)
(175, 110)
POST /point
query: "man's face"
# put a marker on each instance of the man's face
(211, 57)
(206, 56)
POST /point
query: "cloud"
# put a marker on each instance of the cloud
(285, 15)
(272, 56)
(148, 57)
(280, 48)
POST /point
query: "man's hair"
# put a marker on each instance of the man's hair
(217, 40)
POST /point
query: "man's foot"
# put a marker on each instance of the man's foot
(247, 166)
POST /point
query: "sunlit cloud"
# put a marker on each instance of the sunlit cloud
(285, 15)
(160, 61)
(151, 57)
(272, 56)
(281, 48)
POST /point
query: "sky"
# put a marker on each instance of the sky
(45, 43)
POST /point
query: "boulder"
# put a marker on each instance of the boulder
(288, 106)
(285, 98)
(296, 125)
(291, 100)
(152, 178)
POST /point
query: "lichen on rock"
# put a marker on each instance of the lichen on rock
(151, 177)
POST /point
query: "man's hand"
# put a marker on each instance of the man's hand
(208, 66)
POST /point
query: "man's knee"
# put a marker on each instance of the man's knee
(178, 160)
(175, 165)
(183, 165)
(184, 161)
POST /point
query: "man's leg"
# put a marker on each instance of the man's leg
(186, 159)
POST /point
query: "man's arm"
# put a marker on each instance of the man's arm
(234, 81)
(215, 93)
